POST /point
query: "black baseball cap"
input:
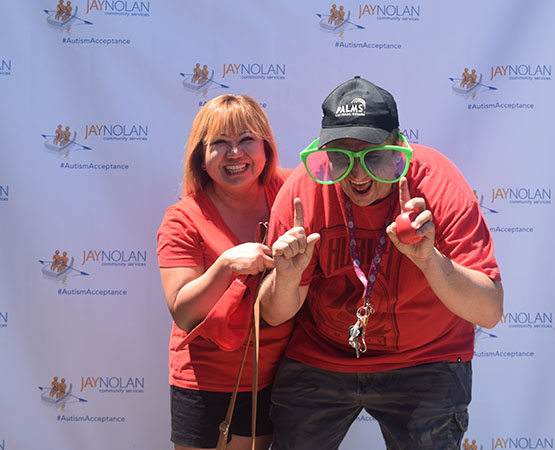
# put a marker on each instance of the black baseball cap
(358, 109)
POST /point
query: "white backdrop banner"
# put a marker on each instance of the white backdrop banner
(96, 101)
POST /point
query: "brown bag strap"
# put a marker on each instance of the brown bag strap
(226, 423)
(256, 348)
(255, 328)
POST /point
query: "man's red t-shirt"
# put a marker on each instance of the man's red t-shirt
(411, 325)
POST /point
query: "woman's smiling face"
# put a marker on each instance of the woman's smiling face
(235, 161)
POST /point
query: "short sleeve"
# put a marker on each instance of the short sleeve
(467, 241)
(179, 242)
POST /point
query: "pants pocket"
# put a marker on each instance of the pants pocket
(458, 427)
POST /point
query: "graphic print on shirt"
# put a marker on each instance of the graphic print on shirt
(337, 294)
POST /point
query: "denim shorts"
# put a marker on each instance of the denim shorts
(417, 408)
(196, 416)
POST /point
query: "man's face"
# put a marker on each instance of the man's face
(360, 187)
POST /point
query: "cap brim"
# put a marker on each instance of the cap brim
(366, 134)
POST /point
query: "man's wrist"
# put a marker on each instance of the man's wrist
(293, 279)
(432, 263)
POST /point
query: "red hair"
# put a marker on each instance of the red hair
(230, 115)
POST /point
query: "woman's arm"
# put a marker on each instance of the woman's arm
(191, 292)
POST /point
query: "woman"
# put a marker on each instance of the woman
(209, 265)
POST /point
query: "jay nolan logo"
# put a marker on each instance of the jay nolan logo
(119, 8)
(5, 66)
(471, 445)
(59, 393)
(113, 384)
(470, 83)
(60, 267)
(4, 193)
(117, 132)
(485, 209)
(521, 442)
(390, 11)
(259, 71)
(63, 266)
(531, 72)
(527, 319)
(337, 21)
(521, 195)
(63, 141)
(115, 257)
(3, 319)
(64, 16)
(201, 79)
(411, 134)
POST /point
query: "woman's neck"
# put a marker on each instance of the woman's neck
(243, 199)
(241, 210)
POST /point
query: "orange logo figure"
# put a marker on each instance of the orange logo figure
(63, 264)
(465, 77)
(68, 9)
(66, 137)
(333, 14)
(55, 386)
(59, 135)
(57, 259)
(473, 77)
(204, 73)
(467, 446)
(63, 12)
(60, 10)
(340, 16)
(197, 72)
(61, 389)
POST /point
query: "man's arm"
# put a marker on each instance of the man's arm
(280, 298)
(281, 295)
(468, 293)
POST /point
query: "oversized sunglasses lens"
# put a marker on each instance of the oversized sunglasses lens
(386, 164)
(327, 166)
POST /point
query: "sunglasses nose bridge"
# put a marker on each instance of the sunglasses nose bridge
(358, 171)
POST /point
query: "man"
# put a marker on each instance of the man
(382, 325)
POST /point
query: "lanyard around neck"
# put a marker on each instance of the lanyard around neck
(358, 331)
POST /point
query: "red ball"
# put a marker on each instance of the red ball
(405, 232)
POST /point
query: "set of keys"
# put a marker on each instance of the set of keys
(357, 332)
